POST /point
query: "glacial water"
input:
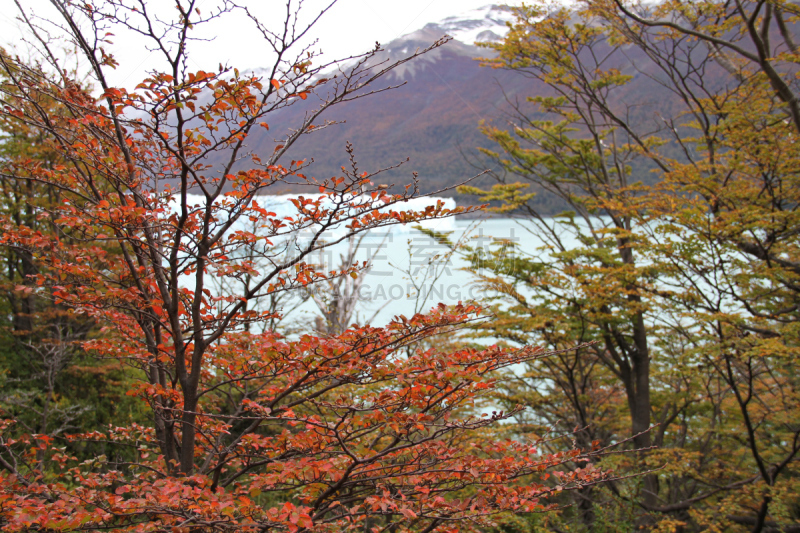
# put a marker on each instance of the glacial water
(409, 270)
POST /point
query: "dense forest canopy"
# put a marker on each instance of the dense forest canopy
(635, 372)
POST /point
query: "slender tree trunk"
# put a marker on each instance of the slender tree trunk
(639, 397)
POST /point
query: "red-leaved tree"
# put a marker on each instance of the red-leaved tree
(361, 430)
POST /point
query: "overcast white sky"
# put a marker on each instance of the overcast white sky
(350, 27)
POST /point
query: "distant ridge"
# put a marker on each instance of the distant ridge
(429, 120)
(434, 118)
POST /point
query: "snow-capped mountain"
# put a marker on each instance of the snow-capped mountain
(434, 117)
(485, 24)
(446, 95)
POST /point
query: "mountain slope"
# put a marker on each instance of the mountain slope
(434, 118)
(445, 97)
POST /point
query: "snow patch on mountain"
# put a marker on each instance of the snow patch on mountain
(487, 23)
